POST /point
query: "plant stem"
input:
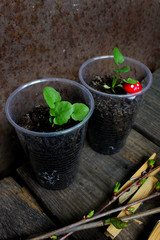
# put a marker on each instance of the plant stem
(70, 227)
(114, 78)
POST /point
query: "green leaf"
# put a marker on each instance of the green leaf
(142, 181)
(118, 223)
(80, 111)
(151, 162)
(53, 237)
(130, 81)
(158, 186)
(118, 58)
(51, 120)
(63, 111)
(90, 214)
(107, 220)
(106, 86)
(131, 209)
(116, 188)
(52, 112)
(124, 69)
(51, 96)
(119, 85)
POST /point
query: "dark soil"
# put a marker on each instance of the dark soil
(112, 119)
(99, 82)
(38, 120)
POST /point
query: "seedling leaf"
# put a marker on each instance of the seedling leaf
(119, 85)
(124, 69)
(51, 120)
(51, 96)
(63, 111)
(52, 112)
(80, 111)
(106, 86)
(130, 81)
(118, 58)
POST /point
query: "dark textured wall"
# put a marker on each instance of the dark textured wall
(52, 38)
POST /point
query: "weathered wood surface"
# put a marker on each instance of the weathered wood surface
(148, 119)
(94, 185)
(20, 215)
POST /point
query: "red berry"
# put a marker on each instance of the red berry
(132, 88)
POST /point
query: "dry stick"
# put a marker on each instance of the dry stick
(118, 195)
(70, 227)
(102, 223)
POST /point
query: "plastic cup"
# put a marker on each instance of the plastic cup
(53, 155)
(114, 114)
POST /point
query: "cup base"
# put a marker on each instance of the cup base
(56, 185)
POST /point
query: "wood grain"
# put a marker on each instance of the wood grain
(155, 235)
(20, 215)
(94, 185)
(148, 118)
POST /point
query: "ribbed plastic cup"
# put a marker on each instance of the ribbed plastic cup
(53, 155)
(114, 114)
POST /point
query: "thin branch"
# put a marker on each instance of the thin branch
(126, 189)
(114, 198)
(102, 223)
(69, 228)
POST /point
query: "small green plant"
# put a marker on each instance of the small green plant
(118, 58)
(61, 111)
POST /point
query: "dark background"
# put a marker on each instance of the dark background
(52, 38)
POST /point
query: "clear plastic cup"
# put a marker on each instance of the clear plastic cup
(114, 114)
(53, 155)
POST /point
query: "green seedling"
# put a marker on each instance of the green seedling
(118, 58)
(61, 111)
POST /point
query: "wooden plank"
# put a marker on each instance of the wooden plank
(94, 185)
(148, 118)
(155, 235)
(20, 215)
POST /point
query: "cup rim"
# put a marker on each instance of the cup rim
(48, 134)
(128, 95)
